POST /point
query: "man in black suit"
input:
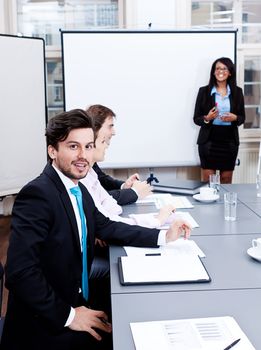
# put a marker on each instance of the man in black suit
(47, 309)
(124, 192)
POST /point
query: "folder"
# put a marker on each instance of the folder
(180, 186)
(158, 269)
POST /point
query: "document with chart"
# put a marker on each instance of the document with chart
(212, 333)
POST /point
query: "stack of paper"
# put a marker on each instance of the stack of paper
(213, 333)
(179, 247)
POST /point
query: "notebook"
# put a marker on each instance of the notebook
(180, 186)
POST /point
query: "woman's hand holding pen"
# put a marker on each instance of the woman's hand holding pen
(212, 114)
(178, 228)
(87, 320)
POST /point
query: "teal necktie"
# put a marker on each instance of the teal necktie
(76, 191)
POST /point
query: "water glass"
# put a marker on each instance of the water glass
(258, 185)
(214, 181)
(230, 206)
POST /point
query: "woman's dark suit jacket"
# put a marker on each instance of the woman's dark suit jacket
(44, 265)
(205, 102)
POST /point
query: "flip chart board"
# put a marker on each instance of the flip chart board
(23, 111)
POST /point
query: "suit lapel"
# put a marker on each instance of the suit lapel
(52, 174)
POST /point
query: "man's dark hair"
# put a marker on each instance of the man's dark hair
(99, 114)
(59, 127)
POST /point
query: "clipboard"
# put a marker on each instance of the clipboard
(142, 273)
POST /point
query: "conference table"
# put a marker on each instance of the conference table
(235, 286)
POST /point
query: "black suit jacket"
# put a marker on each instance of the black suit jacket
(205, 102)
(111, 185)
(44, 265)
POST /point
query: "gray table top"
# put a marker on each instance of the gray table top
(210, 218)
(246, 192)
(227, 262)
(243, 305)
(235, 288)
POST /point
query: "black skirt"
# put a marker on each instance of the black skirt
(220, 151)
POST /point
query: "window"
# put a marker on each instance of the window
(251, 21)
(245, 15)
(252, 91)
(45, 19)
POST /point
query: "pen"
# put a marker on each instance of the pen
(232, 344)
(153, 254)
(105, 321)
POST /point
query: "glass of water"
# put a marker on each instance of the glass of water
(230, 206)
(258, 185)
(214, 182)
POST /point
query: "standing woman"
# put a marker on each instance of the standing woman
(219, 110)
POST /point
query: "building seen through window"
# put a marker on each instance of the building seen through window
(45, 19)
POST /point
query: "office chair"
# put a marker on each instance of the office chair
(1, 297)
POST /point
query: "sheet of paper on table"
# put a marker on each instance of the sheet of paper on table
(214, 333)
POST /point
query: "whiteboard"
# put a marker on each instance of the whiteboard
(150, 79)
(23, 111)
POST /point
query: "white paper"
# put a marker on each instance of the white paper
(179, 214)
(212, 333)
(161, 199)
(162, 268)
(179, 247)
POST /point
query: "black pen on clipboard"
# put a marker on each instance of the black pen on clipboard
(153, 254)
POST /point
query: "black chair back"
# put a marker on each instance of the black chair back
(1, 298)
(1, 285)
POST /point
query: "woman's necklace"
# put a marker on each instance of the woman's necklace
(222, 91)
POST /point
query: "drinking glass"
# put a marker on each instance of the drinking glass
(258, 185)
(214, 182)
(230, 206)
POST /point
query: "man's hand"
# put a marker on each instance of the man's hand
(142, 188)
(178, 228)
(100, 242)
(130, 181)
(87, 320)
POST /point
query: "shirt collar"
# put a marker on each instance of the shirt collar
(91, 179)
(214, 90)
(68, 183)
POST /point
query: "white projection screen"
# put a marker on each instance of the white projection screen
(23, 111)
(150, 79)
